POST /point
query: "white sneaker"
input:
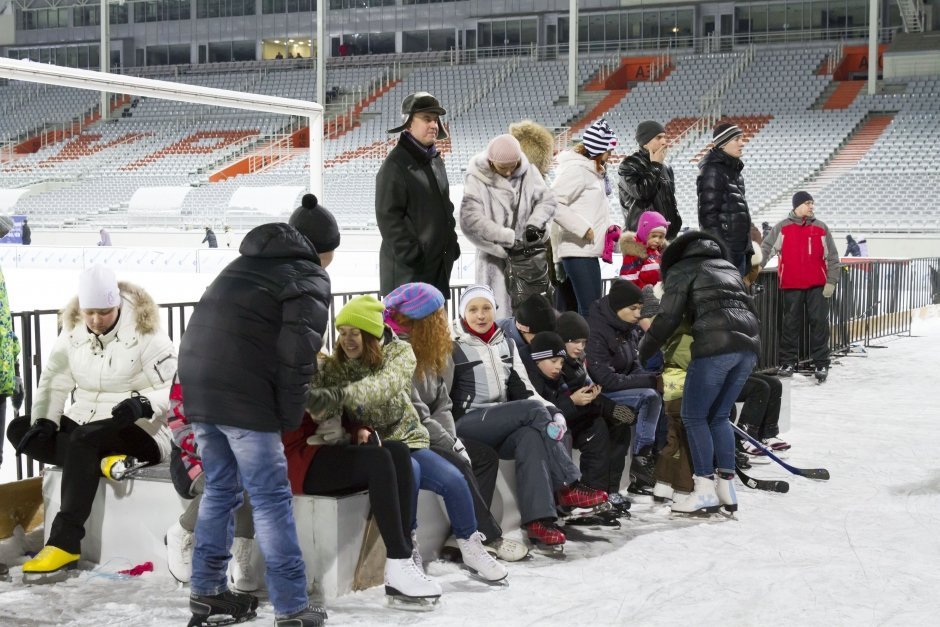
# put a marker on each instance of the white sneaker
(506, 549)
(702, 500)
(243, 571)
(416, 552)
(477, 559)
(662, 491)
(179, 552)
(724, 489)
(406, 579)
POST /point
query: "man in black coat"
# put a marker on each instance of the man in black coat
(722, 207)
(27, 233)
(245, 365)
(646, 182)
(412, 202)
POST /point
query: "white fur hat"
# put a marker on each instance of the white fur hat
(98, 289)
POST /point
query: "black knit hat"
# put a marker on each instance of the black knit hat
(800, 197)
(537, 313)
(724, 133)
(622, 294)
(546, 345)
(572, 326)
(316, 223)
(647, 130)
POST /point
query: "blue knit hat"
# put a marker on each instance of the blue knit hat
(414, 300)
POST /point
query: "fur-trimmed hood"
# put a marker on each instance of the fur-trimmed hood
(630, 246)
(692, 244)
(538, 143)
(146, 312)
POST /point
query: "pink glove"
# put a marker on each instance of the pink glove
(610, 242)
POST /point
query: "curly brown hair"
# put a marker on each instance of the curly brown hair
(430, 339)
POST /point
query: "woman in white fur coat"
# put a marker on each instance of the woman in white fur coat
(501, 184)
(115, 364)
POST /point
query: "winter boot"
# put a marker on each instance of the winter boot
(179, 552)
(506, 549)
(477, 559)
(310, 616)
(243, 567)
(407, 585)
(579, 495)
(49, 565)
(724, 488)
(238, 607)
(545, 532)
(416, 551)
(702, 500)
(662, 491)
(821, 373)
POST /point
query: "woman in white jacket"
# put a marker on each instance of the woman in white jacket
(116, 364)
(506, 205)
(583, 215)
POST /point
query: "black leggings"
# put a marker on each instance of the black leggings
(386, 472)
(78, 450)
(761, 396)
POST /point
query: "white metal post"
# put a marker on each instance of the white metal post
(872, 46)
(573, 53)
(321, 53)
(105, 55)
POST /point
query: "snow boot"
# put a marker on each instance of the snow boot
(310, 616)
(579, 495)
(702, 500)
(50, 565)
(506, 549)
(724, 489)
(179, 552)
(662, 491)
(821, 373)
(235, 606)
(477, 559)
(545, 532)
(243, 567)
(407, 586)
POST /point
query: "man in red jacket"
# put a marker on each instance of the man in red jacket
(808, 272)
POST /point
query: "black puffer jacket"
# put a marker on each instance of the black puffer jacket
(416, 218)
(722, 206)
(612, 351)
(648, 186)
(250, 348)
(699, 283)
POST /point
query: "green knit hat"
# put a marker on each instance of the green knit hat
(363, 312)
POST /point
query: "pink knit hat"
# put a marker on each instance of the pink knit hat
(648, 222)
(504, 149)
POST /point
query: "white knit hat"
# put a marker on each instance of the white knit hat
(476, 291)
(98, 289)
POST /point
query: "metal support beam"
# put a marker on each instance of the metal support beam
(105, 55)
(872, 47)
(572, 53)
(31, 72)
(321, 53)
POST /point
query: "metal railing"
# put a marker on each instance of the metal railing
(875, 298)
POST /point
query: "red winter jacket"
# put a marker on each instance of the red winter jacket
(640, 263)
(808, 254)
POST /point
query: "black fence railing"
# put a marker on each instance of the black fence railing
(875, 298)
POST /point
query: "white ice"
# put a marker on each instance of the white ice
(861, 549)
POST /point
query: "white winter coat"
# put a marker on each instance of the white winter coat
(98, 372)
(486, 212)
(582, 205)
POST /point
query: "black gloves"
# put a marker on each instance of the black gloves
(325, 402)
(647, 348)
(131, 409)
(533, 234)
(42, 429)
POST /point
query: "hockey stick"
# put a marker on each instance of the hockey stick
(810, 473)
(770, 485)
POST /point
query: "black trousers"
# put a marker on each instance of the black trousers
(619, 447)
(591, 436)
(817, 314)
(761, 396)
(78, 450)
(481, 480)
(385, 471)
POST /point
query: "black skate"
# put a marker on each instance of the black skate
(619, 505)
(601, 517)
(311, 616)
(226, 608)
(821, 373)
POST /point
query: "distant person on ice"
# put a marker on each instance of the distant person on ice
(210, 237)
(105, 238)
(27, 233)
(852, 248)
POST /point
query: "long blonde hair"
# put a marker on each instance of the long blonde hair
(430, 339)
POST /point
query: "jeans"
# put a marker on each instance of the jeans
(712, 385)
(480, 476)
(584, 274)
(441, 477)
(232, 457)
(648, 405)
